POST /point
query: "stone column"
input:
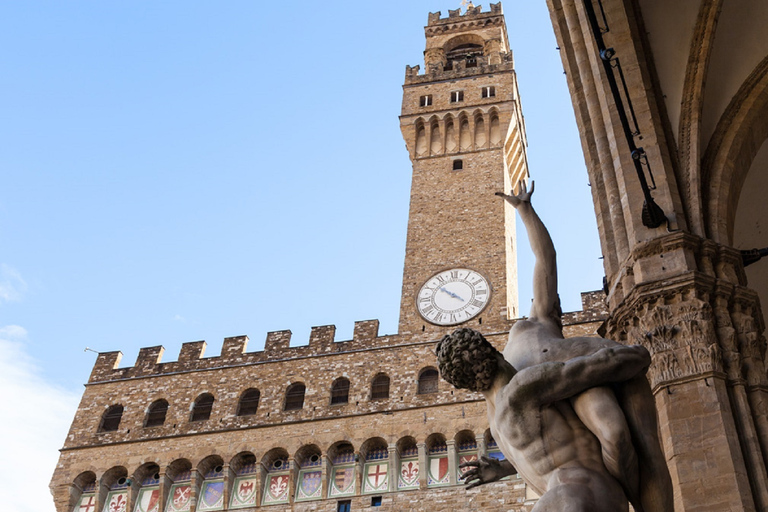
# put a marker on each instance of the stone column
(326, 474)
(229, 480)
(165, 487)
(692, 391)
(261, 482)
(451, 443)
(482, 450)
(423, 469)
(359, 466)
(394, 467)
(292, 476)
(196, 479)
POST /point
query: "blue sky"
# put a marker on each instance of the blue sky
(183, 170)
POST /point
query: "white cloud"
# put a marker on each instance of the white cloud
(179, 318)
(35, 419)
(12, 285)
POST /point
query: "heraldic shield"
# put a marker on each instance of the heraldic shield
(148, 500)
(438, 471)
(212, 496)
(409, 474)
(310, 485)
(117, 501)
(180, 499)
(277, 489)
(244, 492)
(343, 482)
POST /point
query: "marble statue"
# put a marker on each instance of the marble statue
(575, 416)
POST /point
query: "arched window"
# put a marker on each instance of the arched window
(428, 381)
(294, 397)
(437, 461)
(111, 419)
(156, 413)
(340, 391)
(380, 387)
(201, 410)
(249, 402)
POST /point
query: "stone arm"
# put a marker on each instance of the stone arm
(486, 470)
(546, 383)
(545, 299)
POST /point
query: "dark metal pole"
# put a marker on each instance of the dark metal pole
(653, 215)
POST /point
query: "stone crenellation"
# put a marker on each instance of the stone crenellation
(277, 346)
(472, 13)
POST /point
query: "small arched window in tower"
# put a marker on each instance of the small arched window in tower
(457, 96)
(340, 391)
(249, 402)
(380, 387)
(425, 101)
(201, 409)
(458, 164)
(111, 419)
(156, 413)
(294, 397)
(489, 91)
(428, 381)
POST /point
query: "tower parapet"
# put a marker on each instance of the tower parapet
(277, 347)
(322, 340)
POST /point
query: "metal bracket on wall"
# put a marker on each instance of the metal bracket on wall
(750, 256)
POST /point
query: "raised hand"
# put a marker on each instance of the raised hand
(524, 196)
(485, 470)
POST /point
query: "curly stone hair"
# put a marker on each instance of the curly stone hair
(467, 360)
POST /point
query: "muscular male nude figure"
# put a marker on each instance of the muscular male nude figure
(534, 423)
(626, 428)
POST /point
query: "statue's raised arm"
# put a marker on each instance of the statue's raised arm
(546, 304)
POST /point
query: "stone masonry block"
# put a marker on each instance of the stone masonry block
(366, 330)
(321, 338)
(234, 346)
(148, 358)
(105, 363)
(276, 346)
(191, 350)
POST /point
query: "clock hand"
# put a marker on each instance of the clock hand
(442, 289)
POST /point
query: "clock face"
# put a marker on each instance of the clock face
(453, 296)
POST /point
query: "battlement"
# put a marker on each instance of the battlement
(233, 352)
(472, 12)
(414, 74)
(277, 347)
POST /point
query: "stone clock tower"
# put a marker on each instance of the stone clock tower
(463, 125)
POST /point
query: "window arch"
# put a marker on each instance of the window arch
(428, 381)
(249, 402)
(110, 421)
(85, 484)
(294, 397)
(201, 409)
(340, 391)
(437, 461)
(156, 413)
(421, 138)
(380, 387)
